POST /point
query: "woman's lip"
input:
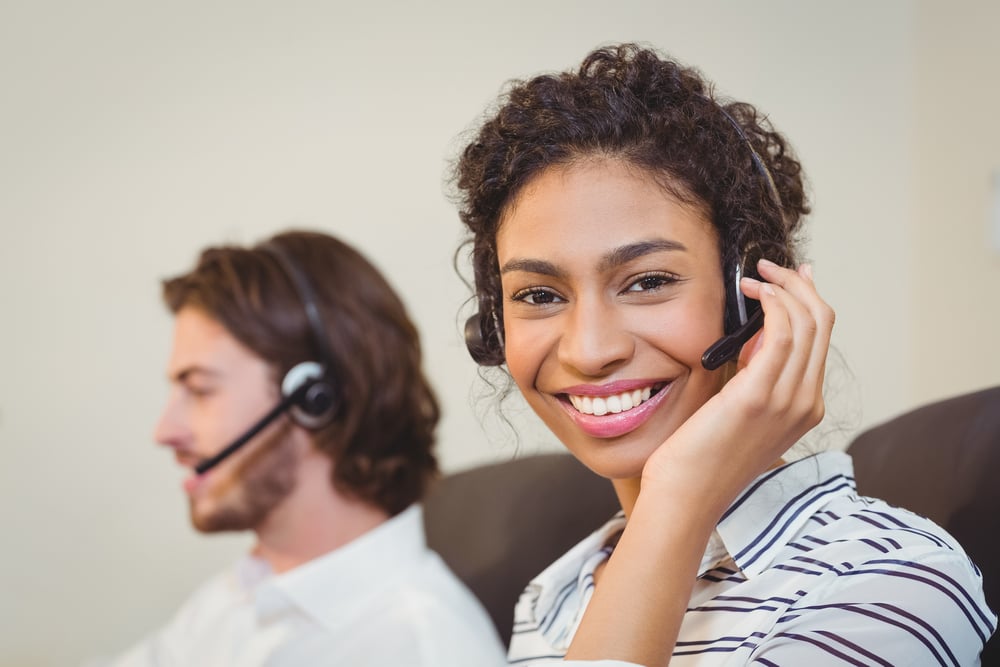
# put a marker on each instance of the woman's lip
(609, 389)
(613, 425)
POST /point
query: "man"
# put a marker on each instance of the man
(299, 404)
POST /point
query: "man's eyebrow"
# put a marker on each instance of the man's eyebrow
(626, 253)
(186, 373)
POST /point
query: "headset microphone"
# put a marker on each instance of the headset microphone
(748, 315)
(232, 448)
(728, 347)
(307, 388)
(302, 387)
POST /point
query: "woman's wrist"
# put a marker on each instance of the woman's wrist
(637, 609)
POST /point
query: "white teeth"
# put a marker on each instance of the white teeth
(602, 405)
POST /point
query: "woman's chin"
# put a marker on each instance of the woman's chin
(612, 462)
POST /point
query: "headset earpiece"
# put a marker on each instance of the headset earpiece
(315, 407)
(743, 316)
(739, 309)
(317, 404)
(474, 339)
(484, 339)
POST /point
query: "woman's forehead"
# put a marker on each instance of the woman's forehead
(596, 205)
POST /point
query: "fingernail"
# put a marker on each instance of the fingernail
(808, 269)
(767, 262)
(750, 281)
(767, 289)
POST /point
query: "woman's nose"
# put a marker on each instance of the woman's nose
(594, 341)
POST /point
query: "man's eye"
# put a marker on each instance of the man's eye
(536, 297)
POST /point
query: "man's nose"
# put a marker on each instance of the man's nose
(171, 428)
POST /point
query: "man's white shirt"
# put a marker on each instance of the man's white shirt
(383, 599)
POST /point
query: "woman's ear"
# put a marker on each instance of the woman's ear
(749, 349)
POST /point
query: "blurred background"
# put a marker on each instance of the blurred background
(134, 133)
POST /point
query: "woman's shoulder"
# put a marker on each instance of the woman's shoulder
(860, 565)
(859, 528)
(876, 559)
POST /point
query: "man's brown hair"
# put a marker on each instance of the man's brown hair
(381, 436)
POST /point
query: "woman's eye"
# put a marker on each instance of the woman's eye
(651, 282)
(536, 297)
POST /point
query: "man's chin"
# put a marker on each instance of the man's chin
(222, 519)
(243, 499)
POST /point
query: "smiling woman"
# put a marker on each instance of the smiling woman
(617, 214)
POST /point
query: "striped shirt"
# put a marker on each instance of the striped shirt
(799, 571)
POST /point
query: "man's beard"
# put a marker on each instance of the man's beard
(254, 488)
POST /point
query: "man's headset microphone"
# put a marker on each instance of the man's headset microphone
(307, 389)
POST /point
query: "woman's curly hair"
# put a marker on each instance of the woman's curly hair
(626, 102)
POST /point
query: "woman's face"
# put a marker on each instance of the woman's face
(612, 292)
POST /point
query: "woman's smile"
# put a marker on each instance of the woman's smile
(604, 415)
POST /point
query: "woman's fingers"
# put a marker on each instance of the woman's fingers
(786, 361)
(772, 401)
(821, 319)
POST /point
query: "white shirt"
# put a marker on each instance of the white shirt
(800, 571)
(382, 599)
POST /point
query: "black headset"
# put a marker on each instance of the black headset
(307, 389)
(484, 336)
(744, 317)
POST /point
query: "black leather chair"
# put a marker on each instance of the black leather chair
(499, 525)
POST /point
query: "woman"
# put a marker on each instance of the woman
(613, 211)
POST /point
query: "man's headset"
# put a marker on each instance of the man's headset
(307, 389)
(744, 317)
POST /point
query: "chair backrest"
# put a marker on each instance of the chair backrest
(942, 461)
(499, 525)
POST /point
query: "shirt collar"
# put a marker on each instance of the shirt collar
(757, 525)
(542, 592)
(335, 586)
(772, 510)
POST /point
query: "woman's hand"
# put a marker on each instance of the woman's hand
(775, 397)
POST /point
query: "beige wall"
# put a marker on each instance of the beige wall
(130, 136)
(956, 278)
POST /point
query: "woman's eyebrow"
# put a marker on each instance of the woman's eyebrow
(611, 260)
(626, 253)
(539, 266)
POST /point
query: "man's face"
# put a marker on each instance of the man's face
(219, 388)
